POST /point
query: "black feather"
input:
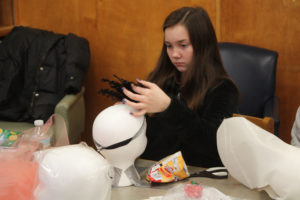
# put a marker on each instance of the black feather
(115, 92)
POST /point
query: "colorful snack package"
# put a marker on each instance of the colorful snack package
(169, 169)
(9, 138)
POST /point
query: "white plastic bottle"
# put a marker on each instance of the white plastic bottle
(38, 124)
(45, 137)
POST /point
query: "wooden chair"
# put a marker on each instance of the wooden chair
(266, 123)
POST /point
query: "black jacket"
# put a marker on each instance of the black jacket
(37, 68)
(193, 133)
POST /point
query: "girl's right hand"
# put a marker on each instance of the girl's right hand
(150, 98)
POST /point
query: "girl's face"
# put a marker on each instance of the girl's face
(179, 47)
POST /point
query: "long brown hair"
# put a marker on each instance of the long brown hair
(208, 69)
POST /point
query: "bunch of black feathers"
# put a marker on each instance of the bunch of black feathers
(115, 91)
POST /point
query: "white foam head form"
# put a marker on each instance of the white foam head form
(258, 159)
(113, 125)
(73, 172)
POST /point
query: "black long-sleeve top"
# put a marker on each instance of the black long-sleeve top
(178, 128)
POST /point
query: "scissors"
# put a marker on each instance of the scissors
(214, 172)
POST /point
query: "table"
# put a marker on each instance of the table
(228, 186)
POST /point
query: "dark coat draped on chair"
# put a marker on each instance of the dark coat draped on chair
(37, 68)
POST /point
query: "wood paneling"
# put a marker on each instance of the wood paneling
(125, 36)
(6, 13)
(4, 30)
(272, 24)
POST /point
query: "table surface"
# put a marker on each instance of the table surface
(229, 186)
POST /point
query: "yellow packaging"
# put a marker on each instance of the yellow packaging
(169, 169)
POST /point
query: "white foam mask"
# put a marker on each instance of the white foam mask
(259, 159)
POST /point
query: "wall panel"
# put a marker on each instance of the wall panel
(272, 24)
(125, 36)
(6, 13)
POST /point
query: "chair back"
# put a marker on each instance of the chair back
(253, 70)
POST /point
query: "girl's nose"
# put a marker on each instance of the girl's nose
(176, 53)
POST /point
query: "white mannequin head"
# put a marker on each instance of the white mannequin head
(120, 137)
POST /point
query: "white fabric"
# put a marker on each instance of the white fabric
(258, 159)
(296, 130)
(73, 172)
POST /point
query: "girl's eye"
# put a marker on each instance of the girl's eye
(168, 46)
(183, 45)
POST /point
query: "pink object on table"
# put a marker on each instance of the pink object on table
(18, 172)
(18, 179)
(193, 190)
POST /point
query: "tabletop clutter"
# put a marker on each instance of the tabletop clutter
(173, 169)
(34, 168)
(19, 169)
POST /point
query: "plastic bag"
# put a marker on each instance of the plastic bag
(73, 172)
(18, 172)
(55, 126)
(18, 169)
(180, 192)
(9, 139)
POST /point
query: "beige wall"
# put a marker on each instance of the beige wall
(125, 38)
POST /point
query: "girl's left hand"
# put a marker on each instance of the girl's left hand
(150, 98)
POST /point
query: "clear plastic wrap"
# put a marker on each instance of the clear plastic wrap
(181, 192)
(55, 126)
(9, 139)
